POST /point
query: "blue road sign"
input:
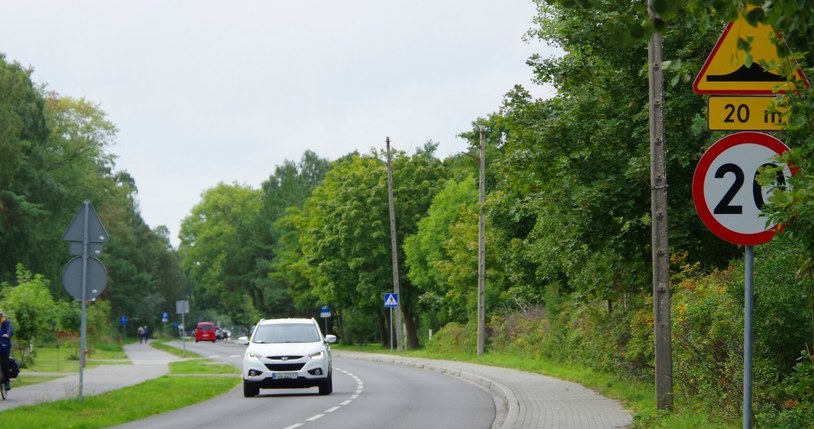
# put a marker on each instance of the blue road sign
(391, 300)
(123, 320)
(325, 312)
(165, 317)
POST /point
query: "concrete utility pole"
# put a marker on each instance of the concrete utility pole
(394, 244)
(658, 208)
(482, 245)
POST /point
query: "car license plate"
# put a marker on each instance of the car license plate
(284, 375)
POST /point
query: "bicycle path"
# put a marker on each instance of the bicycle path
(147, 363)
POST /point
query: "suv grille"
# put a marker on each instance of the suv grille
(285, 366)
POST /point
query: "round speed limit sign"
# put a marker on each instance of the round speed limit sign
(725, 190)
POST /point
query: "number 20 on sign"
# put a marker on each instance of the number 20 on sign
(725, 189)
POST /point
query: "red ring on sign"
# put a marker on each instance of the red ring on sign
(699, 199)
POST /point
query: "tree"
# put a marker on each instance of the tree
(345, 234)
(215, 250)
(29, 306)
(276, 280)
(427, 253)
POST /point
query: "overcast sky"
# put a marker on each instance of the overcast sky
(223, 91)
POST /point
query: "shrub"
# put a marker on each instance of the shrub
(455, 338)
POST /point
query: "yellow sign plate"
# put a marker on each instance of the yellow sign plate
(725, 71)
(745, 114)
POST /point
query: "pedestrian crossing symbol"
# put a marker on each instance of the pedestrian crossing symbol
(391, 300)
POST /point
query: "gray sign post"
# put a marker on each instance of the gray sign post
(84, 277)
(182, 308)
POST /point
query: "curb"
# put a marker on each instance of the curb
(506, 404)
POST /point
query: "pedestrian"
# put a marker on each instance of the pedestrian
(140, 332)
(6, 333)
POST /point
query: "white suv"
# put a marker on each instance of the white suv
(287, 353)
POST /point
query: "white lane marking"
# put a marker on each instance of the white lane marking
(359, 387)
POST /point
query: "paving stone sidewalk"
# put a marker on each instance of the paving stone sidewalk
(525, 400)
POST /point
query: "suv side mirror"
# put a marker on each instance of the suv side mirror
(330, 339)
(244, 340)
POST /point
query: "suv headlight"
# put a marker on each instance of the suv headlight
(318, 355)
(252, 355)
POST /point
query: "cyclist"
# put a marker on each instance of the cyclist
(6, 333)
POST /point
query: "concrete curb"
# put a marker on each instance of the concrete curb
(506, 404)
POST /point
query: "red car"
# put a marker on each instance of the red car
(205, 331)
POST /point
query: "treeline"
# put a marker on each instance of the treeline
(54, 154)
(569, 227)
(568, 214)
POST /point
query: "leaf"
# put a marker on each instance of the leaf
(744, 44)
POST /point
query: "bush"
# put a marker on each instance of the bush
(455, 338)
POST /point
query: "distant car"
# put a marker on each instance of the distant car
(287, 353)
(205, 331)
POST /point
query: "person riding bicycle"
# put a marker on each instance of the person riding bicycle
(5, 347)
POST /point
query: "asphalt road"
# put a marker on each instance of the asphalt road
(366, 395)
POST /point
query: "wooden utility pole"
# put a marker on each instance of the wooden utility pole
(658, 209)
(482, 245)
(394, 244)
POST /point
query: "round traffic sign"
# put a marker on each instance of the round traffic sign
(725, 189)
(95, 278)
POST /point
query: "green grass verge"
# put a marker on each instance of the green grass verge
(161, 345)
(119, 406)
(131, 403)
(202, 366)
(637, 397)
(60, 359)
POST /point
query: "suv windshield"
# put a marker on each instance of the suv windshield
(286, 333)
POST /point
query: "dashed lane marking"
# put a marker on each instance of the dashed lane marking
(360, 386)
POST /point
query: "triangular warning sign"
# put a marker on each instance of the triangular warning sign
(725, 71)
(391, 300)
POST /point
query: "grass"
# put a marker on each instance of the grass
(119, 406)
(161, 345)
(202, 366)
(54, 359)
(637, 397)
(131, 403)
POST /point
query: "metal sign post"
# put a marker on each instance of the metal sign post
(84, 277)
(749, 293)
(325, 313)
(182, 307)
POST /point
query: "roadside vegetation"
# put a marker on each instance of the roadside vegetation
(568, 225)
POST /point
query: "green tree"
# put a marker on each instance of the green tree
(214, 250)
(427, 252)
(30, 307)
(276, 278)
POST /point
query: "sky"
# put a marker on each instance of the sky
(207, 91)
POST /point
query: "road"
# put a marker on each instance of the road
(366, 395)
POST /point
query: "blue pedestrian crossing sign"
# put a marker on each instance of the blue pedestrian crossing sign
(391, 300)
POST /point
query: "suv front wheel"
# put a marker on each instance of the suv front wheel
(327, 386)
(250, 390)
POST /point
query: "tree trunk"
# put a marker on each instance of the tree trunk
(384, 325)
(412, 329)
